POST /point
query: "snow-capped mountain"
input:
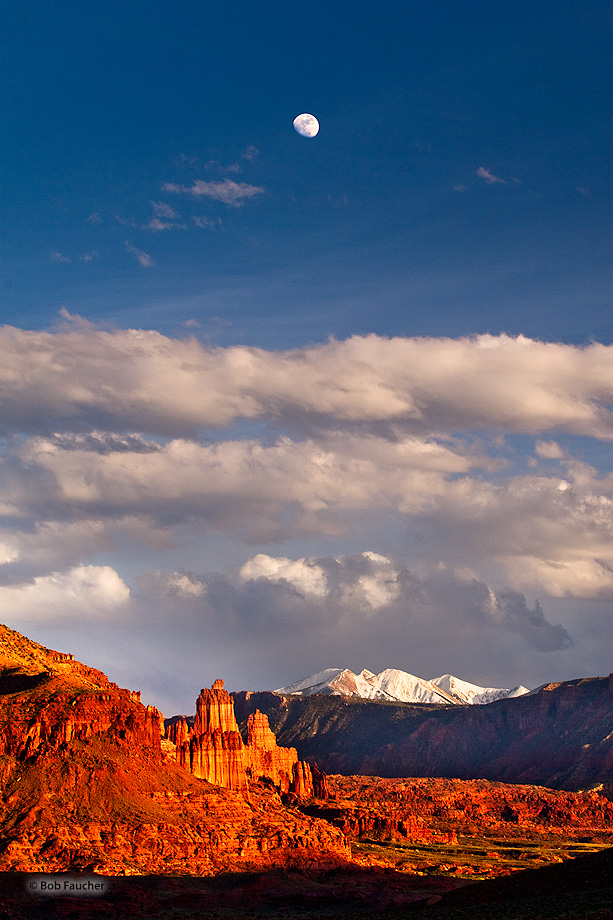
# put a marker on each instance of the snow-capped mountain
(397, 686)
(471, 693)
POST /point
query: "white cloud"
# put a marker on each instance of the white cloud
(591, 579)
(164, 211)
(489, 177)
(58, 257)
(354, 596)
(8, 553)
(549, 450)
(379, 587)
(143, 259)
(229, 192)
(302, 574)
(363, 437)
(146, 381)
(158, 225)
(48, 546)
(94, 218)
(182, 585)
(241, 480)
(207, 222)
(524, 525)
(87, 591)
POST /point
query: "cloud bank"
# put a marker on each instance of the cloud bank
(145, 381)
(457, 467)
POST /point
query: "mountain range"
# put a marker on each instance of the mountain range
(560, 735)
(398, 687)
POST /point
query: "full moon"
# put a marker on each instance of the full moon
(306, 124)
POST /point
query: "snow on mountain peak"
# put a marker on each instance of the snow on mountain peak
(397, 686)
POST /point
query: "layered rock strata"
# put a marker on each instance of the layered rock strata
(87, 783)
(437, 810)
(264, 759)
(213, 749)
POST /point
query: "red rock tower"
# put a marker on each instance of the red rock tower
(214, 749)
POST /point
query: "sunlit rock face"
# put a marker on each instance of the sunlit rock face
(214, 750)
(88, 783)
(264, 759)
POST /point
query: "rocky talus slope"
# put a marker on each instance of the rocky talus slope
(87, 782)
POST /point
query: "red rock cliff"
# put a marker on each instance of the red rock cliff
(83, 783)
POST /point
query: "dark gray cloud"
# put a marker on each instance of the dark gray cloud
(364, 610)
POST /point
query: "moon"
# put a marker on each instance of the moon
(306, 125)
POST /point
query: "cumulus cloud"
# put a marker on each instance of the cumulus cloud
(587, 578)
(549, 450)
(87, 591)
(146, 381)
(229, 192)
(179, 630)
(304, 575)
(409, 444)
(358, 597)
(326, 486)
(236, 483)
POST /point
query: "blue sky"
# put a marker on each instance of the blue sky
(459, 187)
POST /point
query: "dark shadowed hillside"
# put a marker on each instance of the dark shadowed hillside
(561, 737)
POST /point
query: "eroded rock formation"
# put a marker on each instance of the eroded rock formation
(437, 810)
(87, 782)
(213, 749)
(264, 759)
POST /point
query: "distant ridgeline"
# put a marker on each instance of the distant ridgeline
(560, 736)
